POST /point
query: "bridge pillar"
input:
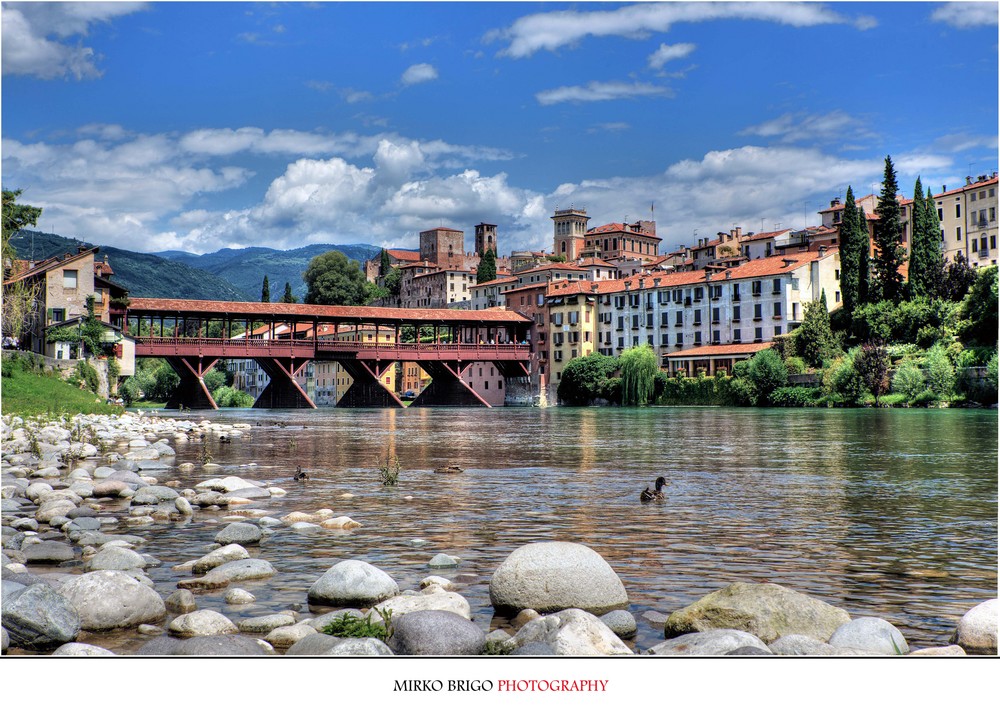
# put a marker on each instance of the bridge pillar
(368, 390)
(446, 387)
(283, 391)
(191, 392)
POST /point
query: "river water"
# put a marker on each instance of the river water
(889, 513)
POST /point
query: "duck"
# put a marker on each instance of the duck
(300, 474)
(651, 494)
(449, 469)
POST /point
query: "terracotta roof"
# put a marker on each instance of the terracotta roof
(261, 310)
(763, 236)
(50, 264)
(594, 262)
(774, 265)
(967, 187)
(720, 350)
(407, 255)
(554, 266)
(619, 228)
(497, 281)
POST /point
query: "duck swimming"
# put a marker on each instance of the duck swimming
(300, 474)
(649, 494)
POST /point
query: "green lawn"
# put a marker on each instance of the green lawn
(28, 394)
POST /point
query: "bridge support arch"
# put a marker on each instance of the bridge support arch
(282, 391)
(191, 392)
(447, 387)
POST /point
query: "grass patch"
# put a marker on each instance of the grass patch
(27, 393)
(356, 627)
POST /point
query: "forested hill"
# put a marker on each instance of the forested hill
(223, 275)
(142, 274)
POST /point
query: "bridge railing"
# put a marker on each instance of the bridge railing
(407, 351)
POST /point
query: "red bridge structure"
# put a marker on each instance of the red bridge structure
(443, 342)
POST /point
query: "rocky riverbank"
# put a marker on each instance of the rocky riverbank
(82, 497)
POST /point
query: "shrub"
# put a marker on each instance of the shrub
(940, 372)
(908, 380)
(894, 399)
(352, 626)
(991, 370)
(741, 392)
(388, 470)
(793, 396)
(924, 398)
(975, 356)
(130, 391)
(872, 366)
(86, 374)
(638, 367)
(582, 379)
(228, 397)
(767, 372)
(842, 381)
(795, 365)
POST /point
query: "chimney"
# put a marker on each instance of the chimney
(593, 287)
(737, 232)
(822, 250)
(729, 274)
(641, 283)
(656, 282)
(968, 180)
(944, 189)
(835, 202)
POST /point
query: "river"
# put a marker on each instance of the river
(888, 512)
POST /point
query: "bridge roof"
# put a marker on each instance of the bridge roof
(259, 311)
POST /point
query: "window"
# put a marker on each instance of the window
(755, 288)
(777, 287)
(715, 315)
(736, 313)
(649, 321)
(736, 336)
(836, 296)
(958, 210)
(635, 321)
(716, 336)
(777, 309)
(679, 321)
(697, 339)
(973, 196)
(680, 339)
(993, 242)
(757, 313)
(975, 245)
(698, 292)
(777, 330)
(664, 319)
(58, 314)
(958, 233)
(758, 334)
(621, 322)
(665, 340)
(69, 279)
(993, 214)
(940, 214)
(697, 317)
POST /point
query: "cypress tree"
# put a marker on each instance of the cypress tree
(850, 254)
(888, 238)
(864, 263)
(265, 291)
(385, 264)
(487, 269)
(917, 269)
(935, 250)
(288, 297)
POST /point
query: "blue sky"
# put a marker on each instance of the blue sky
(198, 126)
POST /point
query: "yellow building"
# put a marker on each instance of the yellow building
(331, 379)
(572, 326)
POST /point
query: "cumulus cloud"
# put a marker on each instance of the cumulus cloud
(552, 30)
(666, 53)
(418, 73)
(964, 15)
(38, 37)
(600, 91)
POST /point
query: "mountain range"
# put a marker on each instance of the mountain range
(228, 274)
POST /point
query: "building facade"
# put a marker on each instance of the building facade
(968, 217)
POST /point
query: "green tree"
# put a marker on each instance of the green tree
(393, 281)
(979, 309)
(15, 217)
(385, 263)
(288, 297)
(872, 366)
(766, 372)
(92, 331)
(853, 240)
(487, 269)
(265, 291)
(583, 379)
(908, 380)
(864, 261)
(934, 257)
(214, 379)
(638, 369)
(333, 279)
(940, 372)
(917, 285)
(888, 239)
(814, 340)
(957, 278)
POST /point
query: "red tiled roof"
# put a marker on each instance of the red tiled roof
(258, 311)
(407, 255)
(967, 187)
(50, 264)
(618, 228)
(497, 281)
(594, 262)
(720, 350)
(763, 236)
(554, 266)
(774, 265)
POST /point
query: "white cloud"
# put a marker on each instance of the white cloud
(552, 30)
(966, 14)
(834, 126)
(600, 91)
(35, 37)
(418, 73)
(666, 53)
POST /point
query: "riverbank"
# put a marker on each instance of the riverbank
(29, 392)
(95, 507)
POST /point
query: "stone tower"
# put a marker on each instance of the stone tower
(486, 239)
(442, 246)
(569, 228)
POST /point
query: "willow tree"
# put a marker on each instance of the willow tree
(638, 368)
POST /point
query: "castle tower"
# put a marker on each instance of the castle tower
(442, 246)
(568, 229)
(486, 239)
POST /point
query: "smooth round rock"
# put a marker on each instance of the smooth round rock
(572, 632)
(236, 596)
(267, 623)
(181, 601)
(202, 622)
(352, 583)
(552, 576)
(111, 599)
(241, 533)
(977, 629)
(869, 633)
(435, 633)
(217, 557)
(75, 649)
(115, 558)
(38, 617)
(621, 622)
(221, 645)
(717, 642)
(48, 553)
